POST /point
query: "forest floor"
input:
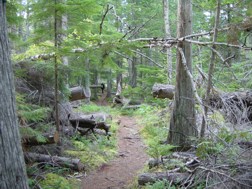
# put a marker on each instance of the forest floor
(131, 158)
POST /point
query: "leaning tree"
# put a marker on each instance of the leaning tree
(12, 166)
(182, 124)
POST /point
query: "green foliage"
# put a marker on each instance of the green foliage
(154, 131)
(93, 153)
(54, 181)
(216, 119)
(226, 135)
(29, 132)
(157, 150)
(92, 108)
(207, 148)
(231, 136)
(30, 112)
(161, 184)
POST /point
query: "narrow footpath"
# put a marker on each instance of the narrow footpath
(131, 158)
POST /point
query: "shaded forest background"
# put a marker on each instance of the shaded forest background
(61, 46)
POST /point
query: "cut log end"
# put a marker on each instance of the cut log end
(163, 91)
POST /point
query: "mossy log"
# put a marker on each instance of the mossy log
(74, 164)
(33, 140)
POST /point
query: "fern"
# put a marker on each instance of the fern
(27, 132)
(30, 112)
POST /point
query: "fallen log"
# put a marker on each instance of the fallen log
(126, 103)
(90, 123)
(74, 164)
(102, 87)
(176, 178)
(163, 91)
(189, 159)
(132, 107)
(83, 123)
(96, 131)
(98, 117)
(33, 140)
(78, 93)
(118, 100)
(104, 126)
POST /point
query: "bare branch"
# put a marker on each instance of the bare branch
(160, 66)
(224, 60)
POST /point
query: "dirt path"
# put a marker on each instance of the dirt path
(131, 158)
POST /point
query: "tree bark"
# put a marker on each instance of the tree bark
(12, 166)
(86, 81)
(182, 123)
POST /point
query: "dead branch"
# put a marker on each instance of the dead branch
(222, 174)
(173, 177)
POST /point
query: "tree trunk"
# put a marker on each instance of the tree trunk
(167, 35)
(211, 68)
(12, 166)
(133, 72)
(109, 84)
(65, 61)
(95, 82)
(56, 74)
(86, 80)
(182, 124)
(119, 75)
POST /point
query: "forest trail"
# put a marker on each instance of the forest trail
(131, 158)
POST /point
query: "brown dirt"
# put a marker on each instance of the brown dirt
(131, 158)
